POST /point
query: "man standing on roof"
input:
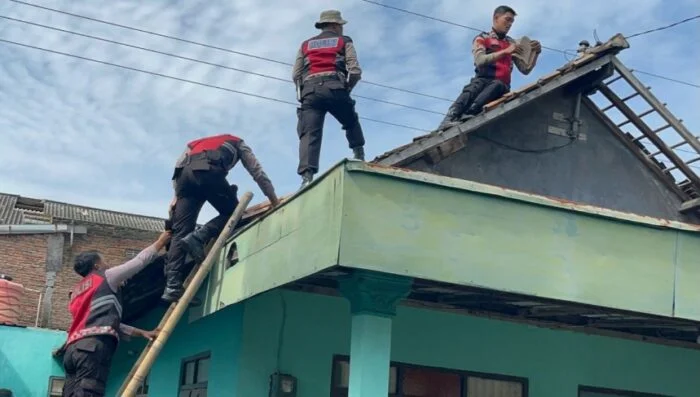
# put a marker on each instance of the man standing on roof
(200, 176)
(96, 309)
(493, 60)
(325, 72)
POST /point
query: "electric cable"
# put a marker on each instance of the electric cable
(662, 27)
(190, 81)
(210, 46)
(267, 76)
(565, 52)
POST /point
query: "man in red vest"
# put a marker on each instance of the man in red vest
(96, 309)
(199, 177)
(493, 61)
(325, 71)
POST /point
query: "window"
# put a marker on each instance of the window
(589, 391)
(407, 380)
(231, 256)
(56, 386)
(194, 376)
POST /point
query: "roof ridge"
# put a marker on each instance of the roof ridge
(587, 58)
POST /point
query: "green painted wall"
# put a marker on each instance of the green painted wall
(25, 359)
(555, 362)
(462, 237)
(311, 220)
(219, 333)
(462, 232)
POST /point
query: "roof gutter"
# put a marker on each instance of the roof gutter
(42, 229)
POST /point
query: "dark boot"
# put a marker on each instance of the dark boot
(174, 289)
(194, 243)
(174, 286)
(306, 178)
(451, 118)
(359, 153)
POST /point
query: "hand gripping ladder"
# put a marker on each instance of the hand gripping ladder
(171, 317)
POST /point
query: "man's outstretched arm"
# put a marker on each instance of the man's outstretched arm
(129, 331)
(118, 274)
(251, 164)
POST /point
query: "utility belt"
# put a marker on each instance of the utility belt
(208, 160)
(335, 80)
(323, 77)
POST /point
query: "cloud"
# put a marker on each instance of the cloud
(97, 135)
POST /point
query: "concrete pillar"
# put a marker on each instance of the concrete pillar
(373, 298)
(54, 263)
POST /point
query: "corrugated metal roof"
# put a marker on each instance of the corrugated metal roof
(100, 216)
(7, 205)
(54, 212)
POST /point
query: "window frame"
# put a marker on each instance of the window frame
(52, 378)
(463, 375)
(616, 392)
(183, 365)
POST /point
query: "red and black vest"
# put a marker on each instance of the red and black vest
(502, 68)
(325, 53)
(95, 308)
(211, 143)
(213, 152)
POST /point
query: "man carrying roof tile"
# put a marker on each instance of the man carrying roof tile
(325, 71)
(494, 55)
(200, 176)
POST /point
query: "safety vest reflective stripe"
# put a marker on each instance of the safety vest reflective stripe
(322, 53)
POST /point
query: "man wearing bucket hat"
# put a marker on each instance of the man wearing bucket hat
(494, 53)
(325, 71)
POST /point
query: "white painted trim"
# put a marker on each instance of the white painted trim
(41, 229)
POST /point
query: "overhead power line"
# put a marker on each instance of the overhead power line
(666, 78)
(548, 48)
(662, 27)
(189, 81)
(210, 46)
(452, 23)
(198, 60)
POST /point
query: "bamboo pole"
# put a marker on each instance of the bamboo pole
(184, 301)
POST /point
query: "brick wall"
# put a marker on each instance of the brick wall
(24, 258)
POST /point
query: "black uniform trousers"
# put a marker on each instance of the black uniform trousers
(87, 362)
(476, 94)
(318, 96)
(193, 188)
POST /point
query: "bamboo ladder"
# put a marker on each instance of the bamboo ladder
(171, 317)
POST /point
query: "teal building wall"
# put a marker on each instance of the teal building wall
(26, 363)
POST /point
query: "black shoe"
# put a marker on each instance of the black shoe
(445, 125)
(194, 244)
(359, 153)
(473, 110)
(172, 294)
(306, 178)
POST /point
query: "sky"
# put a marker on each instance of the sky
(91, 134)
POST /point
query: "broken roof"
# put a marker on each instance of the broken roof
(587, 73)
(584, 64)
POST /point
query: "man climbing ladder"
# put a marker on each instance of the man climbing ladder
(174, 313)
(200, 176)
